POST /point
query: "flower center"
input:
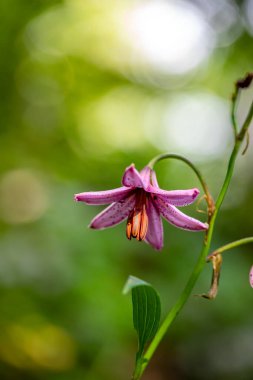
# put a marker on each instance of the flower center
(137, 222)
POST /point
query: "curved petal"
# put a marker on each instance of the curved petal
(145, 174)
(154, 179)
(148, 177)
(175, 197)
(154, 234)
(113, 214)
(131, 177)
(103, 197)
(178, 218)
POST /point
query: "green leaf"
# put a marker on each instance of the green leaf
(146, 310)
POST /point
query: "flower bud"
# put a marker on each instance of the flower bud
(251, 277)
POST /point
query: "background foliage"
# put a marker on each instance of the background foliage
(87, 88)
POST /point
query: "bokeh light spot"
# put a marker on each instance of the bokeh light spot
(23, 197)
(38, 344)
(248, 11)
(197, 124)
(114, 121)
(171, 36)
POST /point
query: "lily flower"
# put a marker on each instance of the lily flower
(142, 203)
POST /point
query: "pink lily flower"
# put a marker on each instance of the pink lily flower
(142, 203)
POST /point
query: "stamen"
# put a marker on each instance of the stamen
(129, 227)
(144, 224)
(137, 223)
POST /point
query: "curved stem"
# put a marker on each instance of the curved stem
(233, 156)
(232, 245)
(164, 156)
(206, 244)
(209, 198)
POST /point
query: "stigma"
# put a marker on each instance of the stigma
(137, 222)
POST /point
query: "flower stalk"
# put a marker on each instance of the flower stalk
(229, 246)
(213, 209)
(208, 196)
(216, 258)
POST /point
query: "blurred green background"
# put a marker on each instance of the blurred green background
(87, 88)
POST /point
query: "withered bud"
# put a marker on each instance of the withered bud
(245, 82)
(216, 261)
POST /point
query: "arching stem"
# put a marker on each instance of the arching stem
(208, 197)
(239, 137)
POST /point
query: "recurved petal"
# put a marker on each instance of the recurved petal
(113, 214)
(145, 174)
(175, 197)
(154, 234)
(178, 218)
(148, 177)
(103, 197)
(154, 179)
(131, 177)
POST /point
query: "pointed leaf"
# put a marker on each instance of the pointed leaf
(146, 310)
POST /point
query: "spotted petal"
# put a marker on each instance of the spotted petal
(103, 197)
(113, 214)
(154, 234)
(131, 177)
(178, 218)
(175, 197)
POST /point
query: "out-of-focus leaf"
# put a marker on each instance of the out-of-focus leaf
(146, 310)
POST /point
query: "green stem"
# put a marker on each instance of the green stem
(206, 245)
(246, 124)
(231, 246)
(138, 368)
(233, 112)
(182, 299)
(233, 156)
